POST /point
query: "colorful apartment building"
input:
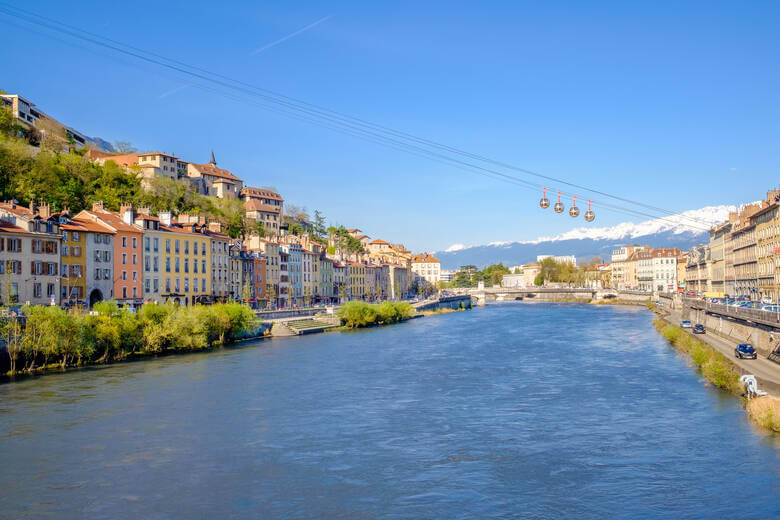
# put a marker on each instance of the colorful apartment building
(127, 254)
(29, 255)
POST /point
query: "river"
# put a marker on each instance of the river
(509, 411)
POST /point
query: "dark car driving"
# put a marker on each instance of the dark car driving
(698, 329)
(745, 350)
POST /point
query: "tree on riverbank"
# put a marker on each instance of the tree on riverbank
(356, 314)
(47, 335)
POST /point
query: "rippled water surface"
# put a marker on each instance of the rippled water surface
(508, 411)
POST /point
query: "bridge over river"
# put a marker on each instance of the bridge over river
(583, 294)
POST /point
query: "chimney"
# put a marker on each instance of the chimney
(145, 211)
(215, 226)
(127, 213)
(97, 206)
(165, 218)
(66, 211)
(45, 210)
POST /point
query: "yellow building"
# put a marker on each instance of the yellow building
(74, 262)
(767, 234)
(186, 259)
(177, 260)
(356, 272)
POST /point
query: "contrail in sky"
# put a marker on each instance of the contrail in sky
(172, 91)
(256, 51)
(296, 33)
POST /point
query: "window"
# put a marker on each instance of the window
(146, 285)
(155, 264)
(194, 248)
(146, 244)
(186, 285)
(156, 242)
(135, 276)
(194, 285)
(176, 248)
(124, 241)
(135, 242)
(124, 292)
(76, 251)
(194, 266)
(186, 247)
(36, 290)
(107, 274)
(167, 245)
(147, 264)
(203, 284)
(98, 272)
(135, 292)
(64, 250)
(168, 285)
(186, 265)
(106, 256)
(65, 236)
(203, 266)
(124, 275)
(76, 236)
(177, 265)
(135, 258)
(178, 287)
(124, 258)
(156, 285)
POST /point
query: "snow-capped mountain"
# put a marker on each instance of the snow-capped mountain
(682, 230)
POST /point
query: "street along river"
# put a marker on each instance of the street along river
(511, 410)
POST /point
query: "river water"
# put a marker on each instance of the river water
(508, 411)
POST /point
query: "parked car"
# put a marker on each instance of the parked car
(745, 350)
(686, 324)
(699, 329)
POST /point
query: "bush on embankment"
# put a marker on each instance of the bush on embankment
(712, 364)
(48, 335)
(765, 411)
(357, 314)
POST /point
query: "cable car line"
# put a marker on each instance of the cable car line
(345, 124)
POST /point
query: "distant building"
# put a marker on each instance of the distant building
(265, 206)
(426, 267)
(31, 117)
(570, 259)
(447, 275)
(511, 281)
(218, 182)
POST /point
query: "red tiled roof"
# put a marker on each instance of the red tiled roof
(7, 227)
(256, 205)
(260, 192)
(214, 171)
(114, 220)
(380, 241)
(425, 258)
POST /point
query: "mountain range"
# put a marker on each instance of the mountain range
(683, 230)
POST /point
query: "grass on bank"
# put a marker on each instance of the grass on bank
(356, 314)
(49, 336)
(713, 365)
(765, 411)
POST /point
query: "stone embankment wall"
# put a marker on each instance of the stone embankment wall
(446, 302)
(633, 296)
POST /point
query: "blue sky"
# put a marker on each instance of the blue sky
(674, 104)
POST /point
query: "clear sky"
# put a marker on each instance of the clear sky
(672, 103)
